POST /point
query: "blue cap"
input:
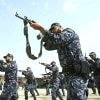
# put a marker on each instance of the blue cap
(54, 24)
(9, 55)
(92, 53)
(53, 62)
(28, 68)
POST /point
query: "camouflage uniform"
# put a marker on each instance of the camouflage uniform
(29, 84)
(11, 85)
(91, 82)
(69, 51)
(97, 73)
(35, 84)
(47, 82)
(96, 68)
(63, 84)
(55, 82)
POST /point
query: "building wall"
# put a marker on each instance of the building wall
(22, 80)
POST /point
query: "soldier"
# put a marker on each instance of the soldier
(63, 83)
(91, 82)
(47, 80)
(35, 84)
(11, 85)
(72, 61)
(55, 80)
(29, 83)
(95, 62)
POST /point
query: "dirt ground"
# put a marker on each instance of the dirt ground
(43, 96)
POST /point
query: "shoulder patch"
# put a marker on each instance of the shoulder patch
(68, 30)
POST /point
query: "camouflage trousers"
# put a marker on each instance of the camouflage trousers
(97, 81)
(47, 89)
(55, 91)
(76, 88)
(10, 91)
(29, 87)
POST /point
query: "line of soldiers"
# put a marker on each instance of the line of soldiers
(11, 83)
(48, 83)
(94, 80)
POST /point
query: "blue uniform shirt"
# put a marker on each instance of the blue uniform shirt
(66, 43)
(29, 76)
(55, 72)
(10, 70)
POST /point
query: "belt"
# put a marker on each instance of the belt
(69, 69)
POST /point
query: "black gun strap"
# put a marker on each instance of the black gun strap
(28, 47)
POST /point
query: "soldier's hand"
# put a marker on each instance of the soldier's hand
(37, 26)
(34, 25)
(20, 70)
(87, 58)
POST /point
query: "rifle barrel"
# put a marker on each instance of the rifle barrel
(25, 18)
(18, 16)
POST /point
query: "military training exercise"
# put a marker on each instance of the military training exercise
(49, 50)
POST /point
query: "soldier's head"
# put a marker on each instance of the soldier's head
(28, 69)
(8, 57)
(53, 63)
(55, 28)
(92, 55)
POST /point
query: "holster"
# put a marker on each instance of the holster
(83, 68)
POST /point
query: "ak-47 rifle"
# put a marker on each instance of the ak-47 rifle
(3, 63)
(28, 47)
(21, 70)
(45, 65)
(24, 19)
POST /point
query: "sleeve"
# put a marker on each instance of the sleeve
(57, 39)
(24, 73)
(12, 66)
(97, 63)
(3, 68)
(51, 68)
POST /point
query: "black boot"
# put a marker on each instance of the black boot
(34, 96)
(26, 97)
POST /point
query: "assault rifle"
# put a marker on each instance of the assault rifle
(2, 62)
(24, 19)
(41, 63)
(45, 64)
(45, 67)
(21, 70)
(28, 47)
